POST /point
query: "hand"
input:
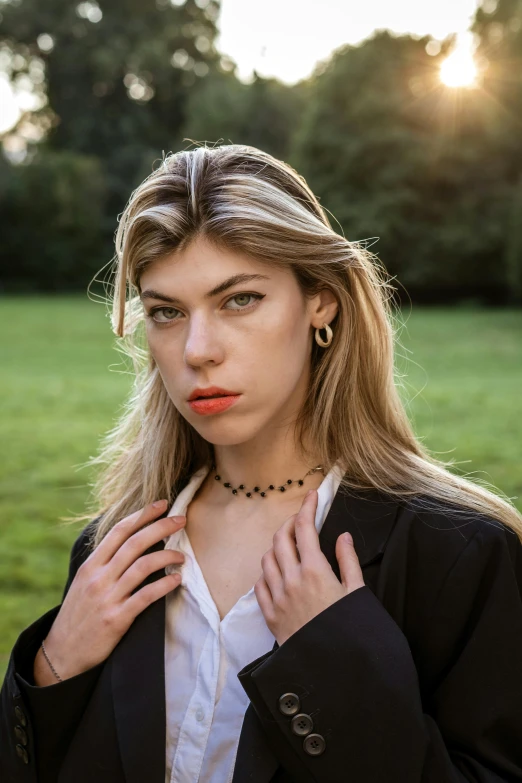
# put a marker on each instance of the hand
(99, 608)
(297, 581)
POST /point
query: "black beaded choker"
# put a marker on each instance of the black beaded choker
(264, 492)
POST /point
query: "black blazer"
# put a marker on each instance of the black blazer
(414, 678)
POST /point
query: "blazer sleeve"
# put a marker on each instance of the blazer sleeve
(38, 723)
(351, 670)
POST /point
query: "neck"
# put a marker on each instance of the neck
(256, 464)
(260, 464)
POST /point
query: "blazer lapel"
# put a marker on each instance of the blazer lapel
(138, 690)
(369, 516)
(138, 661)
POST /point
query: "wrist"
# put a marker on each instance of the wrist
(42, 673)
(50, 663)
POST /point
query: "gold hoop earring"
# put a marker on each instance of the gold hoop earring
(329, 335)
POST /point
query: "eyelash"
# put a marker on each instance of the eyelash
(150, 315)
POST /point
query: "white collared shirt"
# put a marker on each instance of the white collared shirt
(205, 702)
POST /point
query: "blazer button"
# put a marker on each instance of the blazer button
(23, 754)
(20, 714)
(302, 724)
(314, 744)
(289, 703)
(20, 735)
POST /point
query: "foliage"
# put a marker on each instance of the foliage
(397, 156)
(261, 113)
(54, 213)
(435, 173)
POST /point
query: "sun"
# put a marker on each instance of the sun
(459, 69)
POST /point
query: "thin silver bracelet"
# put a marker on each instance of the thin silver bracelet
(50, 664)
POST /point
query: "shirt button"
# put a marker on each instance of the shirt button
(314, 744)
(289, 703)
(200, 714)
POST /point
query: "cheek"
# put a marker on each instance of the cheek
(161, 348)
(285, 325)
(165, 356)
(276, 354)
(291, 335)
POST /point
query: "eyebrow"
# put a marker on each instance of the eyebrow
(150, 293)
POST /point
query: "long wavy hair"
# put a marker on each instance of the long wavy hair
(245, 200)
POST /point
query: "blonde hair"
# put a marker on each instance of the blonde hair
(245, 200)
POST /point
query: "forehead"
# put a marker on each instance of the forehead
(202, 264)
(200, 253)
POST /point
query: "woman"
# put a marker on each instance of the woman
(316, 598)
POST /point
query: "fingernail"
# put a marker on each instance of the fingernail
(309, 492)
(158, 503)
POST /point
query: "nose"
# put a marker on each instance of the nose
(203, 342)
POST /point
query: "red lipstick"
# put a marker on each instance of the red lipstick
(211, 391)
(213, 399)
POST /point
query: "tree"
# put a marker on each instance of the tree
(263, 114)
(498, 24)
(113, 80)
(396, 155)
(116, 75)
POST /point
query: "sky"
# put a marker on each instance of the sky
(286, 38)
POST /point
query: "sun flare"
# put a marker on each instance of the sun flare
(459, 69)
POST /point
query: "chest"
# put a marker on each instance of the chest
(229, 548)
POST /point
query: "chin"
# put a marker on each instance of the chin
(219, 432)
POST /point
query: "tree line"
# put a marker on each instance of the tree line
(429, 176)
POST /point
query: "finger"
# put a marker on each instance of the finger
(125, 528)
(349, 566)
(264, 597)
(141, 599)
(285, 549)
(272, 574)
(142, 540)
(143, 567)
(305, 531)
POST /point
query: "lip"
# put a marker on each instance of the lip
(211, 391)
(206, 407)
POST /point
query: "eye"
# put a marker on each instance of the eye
(152, 314)
(244, 296)
(242, 307)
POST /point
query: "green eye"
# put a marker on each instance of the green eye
(246, 306)
(162, 310)
(244, 296)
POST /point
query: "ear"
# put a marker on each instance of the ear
(323, 308)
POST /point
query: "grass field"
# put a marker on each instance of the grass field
(63, 383)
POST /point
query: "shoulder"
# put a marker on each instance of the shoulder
(440, 535)
(432, 517)
(453, 583)
(446, 566)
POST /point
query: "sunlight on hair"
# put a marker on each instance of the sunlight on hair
(460, 69)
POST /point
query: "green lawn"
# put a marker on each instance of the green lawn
(63, 384)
